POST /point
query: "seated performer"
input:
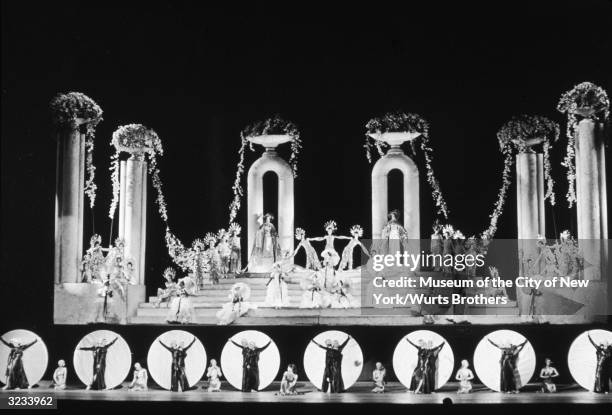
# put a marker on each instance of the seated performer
(250, 364)
(238, 305)
(330, 252)
(314, 294)
(547, 374)
(332, 374)
(312, 260)
(213, 374)
(464, 376)
(603, 371)
(59, 375)
(100, 351)
(341, 296)
(424, 375)
(378, 377)
(165, 294)
(289, 381)
(510, 379)
(347, 252)
(178, 374)
(181, 309)
(140, 380)
(15, 373)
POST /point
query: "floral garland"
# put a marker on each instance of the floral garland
(412, 123)
(274, 125)
(138, 140)
(585, 100)
(67, 109)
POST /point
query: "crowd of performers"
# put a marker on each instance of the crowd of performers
(423, 380)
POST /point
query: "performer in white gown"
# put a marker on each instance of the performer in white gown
(224, 249)
(277, 293)
(341, 296)
(393, 235)
(236, 254)
(347, 252)
(315, 295)
(181, 308)
(330, 250)
(140, 381)
(238, 305)
(166, 293)
(266, 249)
(312, 259)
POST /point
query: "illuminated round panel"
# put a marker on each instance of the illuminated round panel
(405, 357)
(35, 358)
(314, 359)
(582, 360)
(487, 357)
(231, 359)
(118, 358)
(159, 359)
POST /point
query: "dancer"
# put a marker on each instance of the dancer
(312, 260)
(510, 379)
(332, 374)
(100, 351)
(15, 373)
(181, 309)
(341, 296)
(347, 253)
(213, 374)
(250, 364)
(59, 375)
(109, 287)
(93, 263)
(235, 264)
(224, 249)
(378, 377)
(314, 295)
(238, 305)
(165, 294)
(603, 371)
(464, 375)
(330, 253)
(178, 380)
(289, 381)
(436, 245)
(140, 380)
(277, 293)
(424, 375)
(393, 235)
(212, 259)
(547, 374)
(266, 249)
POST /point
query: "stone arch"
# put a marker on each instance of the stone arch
(270, 161)
(395, 159)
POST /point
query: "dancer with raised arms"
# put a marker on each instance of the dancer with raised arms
(100, 351)
(15, 374)
(332, 375)
(510, 381)
(179, 382)
(250, 363)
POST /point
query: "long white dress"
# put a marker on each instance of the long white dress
(277, 293)
(314, 295)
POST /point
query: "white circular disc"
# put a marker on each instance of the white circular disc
(231, 359)
(352, 360)
(118, 358)
(487, 356)
(35, 358)
(405, 357)
(582, 360)
(159, 360)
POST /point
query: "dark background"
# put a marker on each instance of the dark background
(199, 75)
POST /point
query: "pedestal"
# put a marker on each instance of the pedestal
(69, 200)
(133, 212)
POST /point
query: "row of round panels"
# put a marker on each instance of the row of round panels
(581, 357)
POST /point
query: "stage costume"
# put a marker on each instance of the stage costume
(15, 373)
(235, 263)
(59, 378)
(238, 306)
(99, 364)
(464, 376)
(314, 295)
(510, 379)
(266, 250)
(341, 296)
(424, 374)
(393, 237)
(182, 310)
(250, 366)
(332, 375)
(288, 383)
(213, 375)
(178, 375)
(347, 254)
(312, 259)
(603, 370)
(547, 374)
(140, 380)
(277, 293)
(378, 377)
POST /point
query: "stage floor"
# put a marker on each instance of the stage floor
(359, 393)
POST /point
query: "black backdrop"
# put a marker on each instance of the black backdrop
(197, 76)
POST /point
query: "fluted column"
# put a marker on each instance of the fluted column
(69, 202)
(132, 211)
(530, 195)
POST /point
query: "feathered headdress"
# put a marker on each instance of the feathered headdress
(331, 224)
(221, 233)
(299, 233)
(357, 230)
(95, 239)
(171, 272)
(198, 244)
(210, 238)
(234, 229)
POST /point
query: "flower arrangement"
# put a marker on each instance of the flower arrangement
(411, 123)
(67, 111)
(520, 134)
(585, 100)
(140, 141)
(270, 126)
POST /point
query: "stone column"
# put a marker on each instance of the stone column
(395, 159)
(591, 195)
(69, 203)
(133, 210)
(271, 161)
